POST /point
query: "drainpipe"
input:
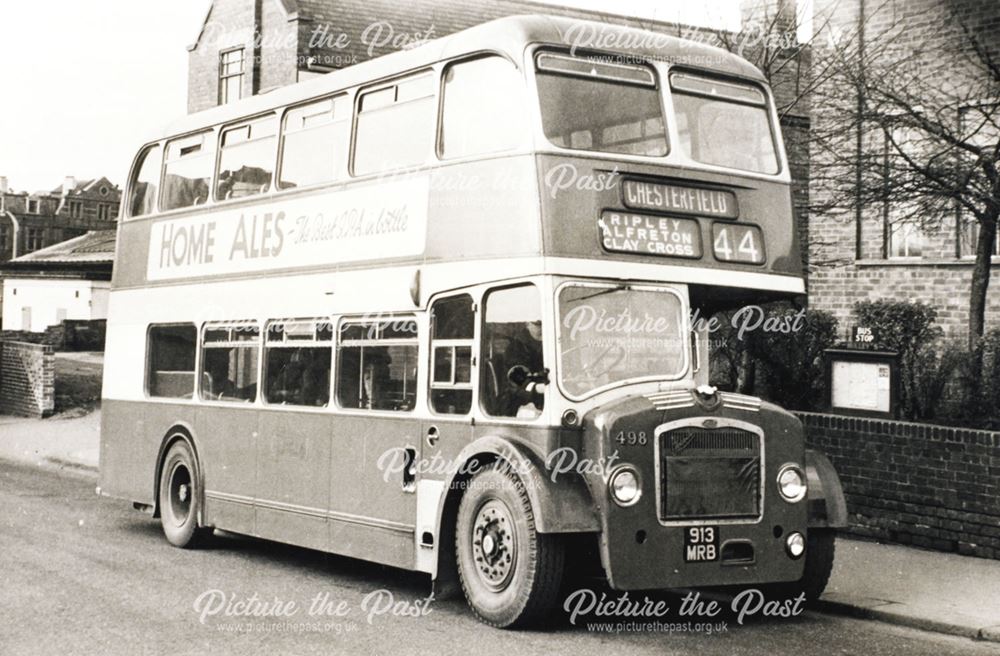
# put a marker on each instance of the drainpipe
(859, 140)
(17, 229)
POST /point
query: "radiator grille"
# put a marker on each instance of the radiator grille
(709, 473)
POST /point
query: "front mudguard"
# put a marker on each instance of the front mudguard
(559, 505)
(827, 506)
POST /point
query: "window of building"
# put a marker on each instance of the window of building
(34, 239)
(188, 171)
(969, 237)
(513, 372)
(452, 334)
(484, 108)
(103, 212)
(315, 142)
(4, 240)
(906, 239)
(32, 206)
(229, 356)
(232, 70)
(396, 125)
(145, 181)
(170, 352)
(297, 362)
(905, 236)
(75, 209)
(377, 365)
(246, 163)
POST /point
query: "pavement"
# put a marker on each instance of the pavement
(921, 589)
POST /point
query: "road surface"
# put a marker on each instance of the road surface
(87, 575)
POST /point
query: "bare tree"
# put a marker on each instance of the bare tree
(925, 122)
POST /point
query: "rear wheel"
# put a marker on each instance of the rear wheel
(510, 572)
(180, 498)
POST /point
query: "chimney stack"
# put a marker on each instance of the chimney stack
(68, 185)
(3, 184)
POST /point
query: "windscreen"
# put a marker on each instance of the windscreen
(611, 334)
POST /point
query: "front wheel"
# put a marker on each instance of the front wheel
(180, 498)
(510, 572)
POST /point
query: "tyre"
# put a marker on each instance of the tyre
(180, 498)
(510, 573)
(818, 565)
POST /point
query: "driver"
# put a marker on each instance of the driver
(526, 375)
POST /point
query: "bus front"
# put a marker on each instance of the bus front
(666, 195)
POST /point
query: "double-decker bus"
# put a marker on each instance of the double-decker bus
(432, 311)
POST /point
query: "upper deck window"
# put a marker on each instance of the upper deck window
(145, 181)
(724, 123)
(188, 171)
(589, 104)
(396, 125)
(315, 139)
(484, 108)
(246, 165)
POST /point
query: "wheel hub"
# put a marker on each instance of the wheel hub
(179, 501)
(494, 544)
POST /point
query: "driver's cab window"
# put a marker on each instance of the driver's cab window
(452, 331)
(513, 370)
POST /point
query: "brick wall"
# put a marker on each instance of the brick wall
(70, 335)
(27, 379)
(931, 486)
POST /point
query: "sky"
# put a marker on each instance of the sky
(89, 82)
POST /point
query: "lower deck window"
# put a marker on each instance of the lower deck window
(229, 359)
(170, 361)
(297, 363)
(377, 365)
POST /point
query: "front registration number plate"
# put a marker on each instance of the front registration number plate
(701, 544)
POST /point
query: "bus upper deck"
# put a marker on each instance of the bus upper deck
(527, 137)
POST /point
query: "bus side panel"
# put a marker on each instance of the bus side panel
(226, 442)
(131, 434)
(293, 467)
(371, 511)
(484, 209)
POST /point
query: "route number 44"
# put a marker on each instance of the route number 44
(738, 243)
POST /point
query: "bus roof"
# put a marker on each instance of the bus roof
(508, 35)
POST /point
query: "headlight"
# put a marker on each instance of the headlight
(624, 486)
(795, 544)
(792, 483)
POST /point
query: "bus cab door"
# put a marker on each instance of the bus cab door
(449, 428)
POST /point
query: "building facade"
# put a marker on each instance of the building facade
(32, 221)
(885, 231)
